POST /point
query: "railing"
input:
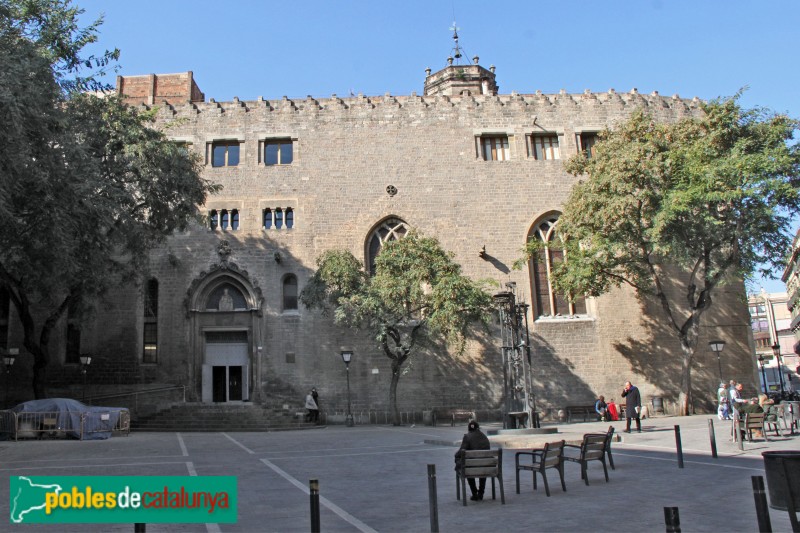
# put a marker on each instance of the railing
(63, 424)
(130, 400)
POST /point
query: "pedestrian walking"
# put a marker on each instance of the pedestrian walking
(633, 406)
(311, 406)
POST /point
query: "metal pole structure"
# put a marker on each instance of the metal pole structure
(672, 519)
(762, 511)
(776, 351)
(678, 445)
(349, 421)
(313, 492)
(719, 364)
(713, 438)
(763, 372)
(433, 499)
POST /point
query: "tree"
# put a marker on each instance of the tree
(416, 294)
(87, 185)
(711, 195)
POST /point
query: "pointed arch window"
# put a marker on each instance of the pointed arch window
(290, 292)
(150, 329)
(390, 229)
(547, 303)
(5, 311)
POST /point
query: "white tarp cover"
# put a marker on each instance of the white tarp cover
(97, 425)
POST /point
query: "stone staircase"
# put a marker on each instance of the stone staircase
(222, 417)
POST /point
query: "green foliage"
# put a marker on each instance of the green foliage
(713, 195)
(416, 287)
(87, 186)
(417, 293)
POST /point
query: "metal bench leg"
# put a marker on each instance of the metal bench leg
(585, 473)
(561, 473)
(546, 486)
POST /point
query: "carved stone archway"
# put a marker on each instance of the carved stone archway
(224, 307)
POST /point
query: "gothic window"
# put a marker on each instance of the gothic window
(543, 146)
(223, 219)
(391, 229)
(73, 340)
(213, 219)
(225, 153)
(278, 152)
(5, 308)
(494, 148)
(546, 301)
(290, 292)
(150, 330)
(289, 218)
(278, 218)
(586, 142)
(267, 218)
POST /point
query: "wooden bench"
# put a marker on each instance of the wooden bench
(586, 411)
(593, 448)
(478, 464)
(462, 415)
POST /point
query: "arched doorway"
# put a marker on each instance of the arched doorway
(224, 311)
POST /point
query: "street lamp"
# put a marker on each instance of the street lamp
(763, 374)
(86, 360)
(347, 355)
(8, 360)
(716, 347)
(776, 351)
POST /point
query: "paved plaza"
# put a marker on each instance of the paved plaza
(374, 478)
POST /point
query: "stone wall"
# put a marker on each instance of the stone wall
(347, 151)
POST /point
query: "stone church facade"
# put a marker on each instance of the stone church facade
(481, 171)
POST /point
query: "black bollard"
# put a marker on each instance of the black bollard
(762, 511)
(672, 519)
(139, 528)
(433, 499)
(313, 486)
(713, 437)
(679, 447)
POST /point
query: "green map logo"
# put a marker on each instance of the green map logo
(122, 499)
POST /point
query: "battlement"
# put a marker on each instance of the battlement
(607, 103)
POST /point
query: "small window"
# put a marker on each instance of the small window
(278, 218)
(289, 218)
(213, 219)
(235, 219)
(495, 148)
(150, 354)
(586, 142)
(278, 152)
(544, 147)
(290, 292)
(225, 154)
(224, 219)
(267, 218)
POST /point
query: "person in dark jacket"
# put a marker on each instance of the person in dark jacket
(474, 439)
(633, 406)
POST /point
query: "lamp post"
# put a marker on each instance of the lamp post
(86, 360)
(763, 374)
(716, 347)
(347, 355)
(776, 351)
(8, 360)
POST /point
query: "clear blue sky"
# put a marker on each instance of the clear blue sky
(251, 48)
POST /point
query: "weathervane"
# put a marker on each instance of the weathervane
(456, 48)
